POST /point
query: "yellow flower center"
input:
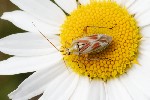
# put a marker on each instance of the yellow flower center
(119, 56)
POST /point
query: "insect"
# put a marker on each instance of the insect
(86, 45)
(89, 44)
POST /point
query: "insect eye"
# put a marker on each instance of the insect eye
(77, 45)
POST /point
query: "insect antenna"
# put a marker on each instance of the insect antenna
(51, 44)
(46, 38)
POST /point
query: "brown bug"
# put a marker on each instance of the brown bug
(86, 45)
(89, 44)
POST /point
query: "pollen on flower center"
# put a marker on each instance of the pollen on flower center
(119, 56)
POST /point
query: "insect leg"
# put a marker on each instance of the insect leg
(78, 3)
(133, 15)
(66, 66)
(85, 28)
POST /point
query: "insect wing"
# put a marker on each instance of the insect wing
(96, 45)
(101, 43)
(85, 47)
(90, 44)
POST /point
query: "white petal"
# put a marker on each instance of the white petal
(37, 83)
(141, 11)
(139, 7)
(84, 2)
(144, 63)
(134, 91)
(129, 3)
(142, 69)
(126, 3)
(55, 83)
(145, 32)
(25, 21)
(144, 19)
(144, 49)
(67, 5)
(81, 91)
(121, 2)
(145, 46)
(141, 75)
(146, 53)
(64, 90)
(116, 91)
(41, 98)
(106, 91)
(96, 91)
(16, 65)
(143, 58)
(42, 9)
(28, 44)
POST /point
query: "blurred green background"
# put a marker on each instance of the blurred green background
(8, 83)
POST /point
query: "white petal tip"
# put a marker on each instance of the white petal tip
(12, 95)
(5, 16)
(2, 17)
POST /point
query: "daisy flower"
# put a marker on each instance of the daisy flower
(119, 72)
